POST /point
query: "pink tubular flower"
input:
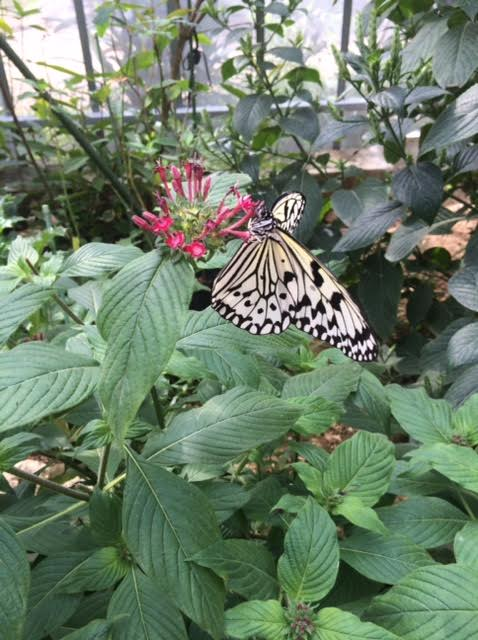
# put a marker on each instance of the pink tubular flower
(162, 224)
(196, 249)
(187, 220)
(176, 240)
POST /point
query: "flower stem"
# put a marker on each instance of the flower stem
(103, 466)
(158, 408)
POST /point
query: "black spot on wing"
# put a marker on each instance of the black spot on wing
(316, 275)
(336, 300)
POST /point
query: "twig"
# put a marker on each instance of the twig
(103, 466)
(49, 484)
(57, 299)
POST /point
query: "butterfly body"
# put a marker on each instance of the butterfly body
(274, 281)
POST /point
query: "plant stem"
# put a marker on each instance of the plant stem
(49, 484)
(158, 408)
(57, 299)
(467, 506)
(103, 466)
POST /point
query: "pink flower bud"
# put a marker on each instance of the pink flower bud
(175, 240)
(162, 224)
(142, 224)
(196, 249)
(150, 217)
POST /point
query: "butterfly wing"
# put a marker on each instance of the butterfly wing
(250, 290)
(322, 306)
(272, 283)
(287, 210)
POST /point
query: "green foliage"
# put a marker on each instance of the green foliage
(193, 492)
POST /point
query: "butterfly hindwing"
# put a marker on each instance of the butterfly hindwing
(287, 210)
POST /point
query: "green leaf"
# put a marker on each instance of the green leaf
(247, 567)
(308, 567)
(227, 425)
(37, 380)
(95, 630)
(333, 383)
(206, 328)
(48, 607)
(361, 466)
(224, 497)
(465, 545)
(460, 464)
(349, 204)
(250, 112)
(221, 183)
(410, 480)
(369, 408)
(158, 510)
(354, 510)
(141, 318)
(431, 603)
(469, 7)
(19, 305)
(231, 368)
(379, 292)
(463, 286)
(370, 226)
(97, 258)
(458, 122)
(429, 522)
(405, 239)
(456, 55)
(262, 498)
(291, 54)
(312, 478)
(14, 584)
(148, 611)
(465, 421)
(422, 94)
(16, 448)
(100, 571)
(302, 123)
(464, 386)
(316, 456)
(335, 624)
(385, 559)
(422, 46)
(463, 346)
(262, 618)
(420, 187)
(105, 517)
(427, 420)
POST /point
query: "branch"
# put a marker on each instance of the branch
(49, 484)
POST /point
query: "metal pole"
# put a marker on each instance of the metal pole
(345, 38)
(85, 48)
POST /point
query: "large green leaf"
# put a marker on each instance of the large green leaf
(148, 611)
(231, 368)
(308, 567)
(463, 286)
(458, 122)
(432, 603)
(349, 204)
(158, 511)
(97, 258)
(224, 427)
(14, 584)
(379, 292)
(361, 466)
(420, 187)
(20, 305)
(456, 55)
(333, 382)
(405, 239)
(354, 510)
(422, 46)
(48, 607)
(224, 497)
(370, 226)
(247, 567)
(429, 522)
(37, 380)
(207, 329)
(141, 318)
(460, 464)
(102, 570)
(250, 112)
(335, 624)
(95, 630)
(262, 618)
(466, 545)
(463, 346)
(423, 418)
(368, 408)
(383, 558)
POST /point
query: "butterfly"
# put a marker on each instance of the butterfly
(274, 281)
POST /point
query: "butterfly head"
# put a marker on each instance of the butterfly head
(261, 225)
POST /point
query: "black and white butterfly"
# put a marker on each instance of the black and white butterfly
(274, 281)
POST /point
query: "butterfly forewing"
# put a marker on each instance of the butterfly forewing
(274, 281)
(287, 210)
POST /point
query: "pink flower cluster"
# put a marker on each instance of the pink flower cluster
(186, 220)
